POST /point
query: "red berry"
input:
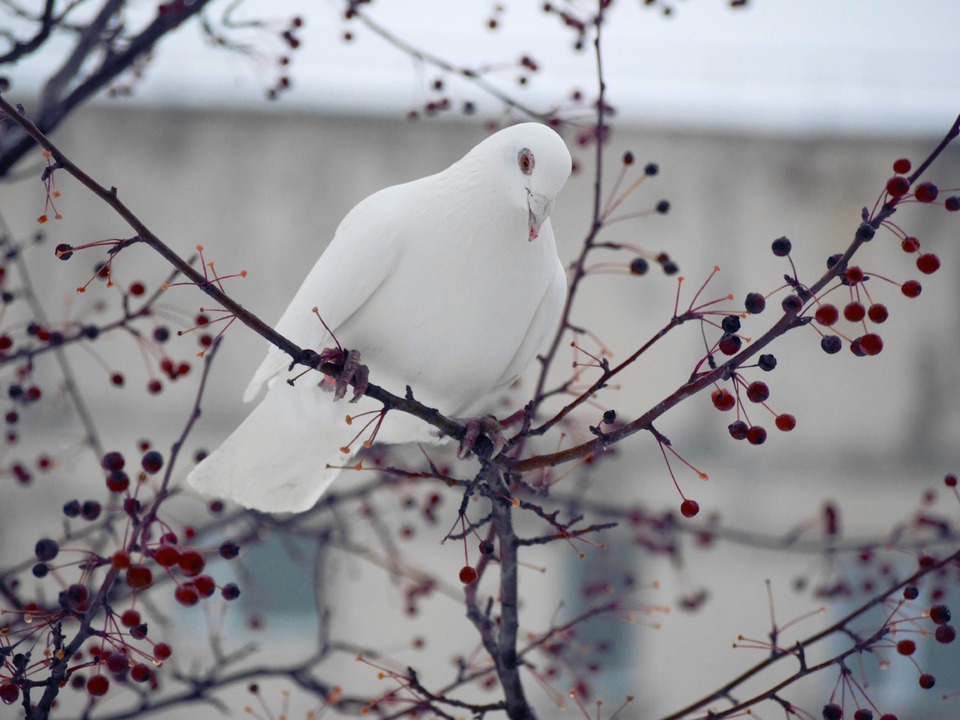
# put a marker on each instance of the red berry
(888, 716)
(952, 203)
(863, 714)
(940, 614)
(118, 481)
(112, 461)
(689, 508)
(910, 244)
(230, 591)
(205, 585)
(827, 314)
(191, 563)
(117, 379)
(98, 685)
(154, 387)
(152, 462)
(927, 681)
(902, 166)
(723, 399)
(756, 435)
(871, 343)
(906, 647)
(928, 263)
(9, 693)
(468, 575)
(926, 192)
(786, 422)
(911, 288)
(853, 275)
(758, 391)
(118, 663)
(139, 577)
(130, 618)
(878, 313)
(161, 651)
(187, 595)
(950, 480)
(729, 344)
(854, 311)
(137, 289)
(166, 556)
(120, 560)
(140, 673)
(898, 186)
(945, 634)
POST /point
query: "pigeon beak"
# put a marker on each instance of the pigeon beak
(538, 209)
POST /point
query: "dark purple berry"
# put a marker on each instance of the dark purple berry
(112, 461)
(781, 247)
(792, 303)
(46, 549)
(229, 550)
(755, 303)
(832, 711)
(831, 344)
(767, 362)
(865, 232)
(90, 510)
(738, 430)
(639, 266)
(731, 324)
(152, 461)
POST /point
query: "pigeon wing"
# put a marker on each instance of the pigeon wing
(359, 258)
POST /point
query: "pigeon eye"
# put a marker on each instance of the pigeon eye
(525, 161)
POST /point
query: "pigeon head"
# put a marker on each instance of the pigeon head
(531, 163)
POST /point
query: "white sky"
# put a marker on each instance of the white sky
(869, 66)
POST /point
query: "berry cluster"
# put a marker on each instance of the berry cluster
(119, 647)
(812, 305)
(900, 622)
(756, 392)
(860, 308)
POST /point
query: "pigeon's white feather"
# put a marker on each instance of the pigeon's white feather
(448, 284)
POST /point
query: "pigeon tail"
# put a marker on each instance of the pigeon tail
(277, 460)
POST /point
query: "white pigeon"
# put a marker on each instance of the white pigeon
(449, 284)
